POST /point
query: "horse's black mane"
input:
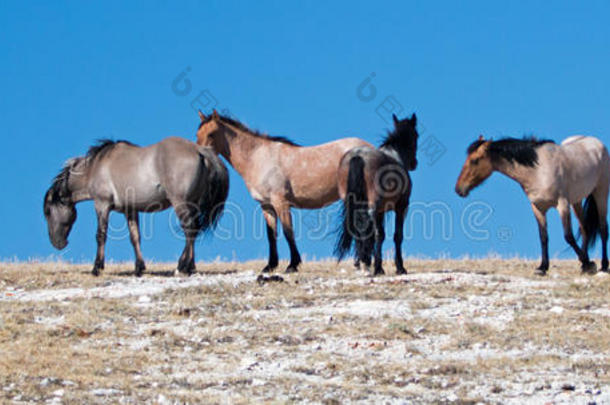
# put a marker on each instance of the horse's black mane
(102, 147)
(402, 139)
(522, 151)
(60, 181)
(243, 127)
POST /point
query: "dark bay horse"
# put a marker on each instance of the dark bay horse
(278, 173)
(130, 179)
(552, 176)
(371, 182)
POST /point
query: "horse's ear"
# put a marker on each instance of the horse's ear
(481, 138)
(201, 116)
(394, 118)
(413, 119)
(215, 114)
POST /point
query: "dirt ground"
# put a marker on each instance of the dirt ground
(482, 331)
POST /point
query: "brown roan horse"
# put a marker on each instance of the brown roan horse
(278, 173)
(371, 183)
(130, 179)
(552, 176)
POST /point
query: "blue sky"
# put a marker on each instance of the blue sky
(73, 72)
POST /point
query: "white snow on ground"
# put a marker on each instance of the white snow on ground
(265, 364)
(131, 287)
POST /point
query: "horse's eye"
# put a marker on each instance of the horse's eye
(475, 161)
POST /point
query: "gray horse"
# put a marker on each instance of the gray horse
(123, 177)
(552, 176)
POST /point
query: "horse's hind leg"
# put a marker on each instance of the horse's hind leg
(271, 219)
(133, 222)
(103, 211)
(186, 263)
(564, 211)
(398, 235)
(580, 216)
(379, 238)
(286, 220)
(601, 200)
(187, 214)
(540, 215)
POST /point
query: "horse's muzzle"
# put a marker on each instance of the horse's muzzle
(59, 244)
(461, 192)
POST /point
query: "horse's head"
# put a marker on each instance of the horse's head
(209, 127)
(407, 130)
(60, 213)
(477, 168)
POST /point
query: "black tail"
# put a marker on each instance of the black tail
(356, 222)
(592, 223)
(212, 202)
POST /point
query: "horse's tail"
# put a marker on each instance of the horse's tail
(356, 222)
(591, 222)
(212, 201)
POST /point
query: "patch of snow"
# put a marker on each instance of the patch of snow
(131, 287)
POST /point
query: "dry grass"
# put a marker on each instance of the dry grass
(450, 331)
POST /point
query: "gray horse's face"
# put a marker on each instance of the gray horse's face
(477, 168)
(60, 217)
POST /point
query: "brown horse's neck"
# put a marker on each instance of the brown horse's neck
(524, 175)
(236, 146)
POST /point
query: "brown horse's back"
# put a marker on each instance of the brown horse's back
(311, 172)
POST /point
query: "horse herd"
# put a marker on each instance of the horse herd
(280, 174)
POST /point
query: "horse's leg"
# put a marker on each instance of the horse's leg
(564, 211)
(544, 239)
(580, 216)
(601, 200)
(358, 259)
(286, 220)
(400, 219)
(186, 264)
(187, 213)
(133, 222)
(379, 238)
(271, 219)
(103, 211)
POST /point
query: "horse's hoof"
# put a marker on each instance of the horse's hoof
(291, 269)
(267, 269)
(604, 266)
(400, 271)
(140, 267)
(540, 271)
(589, 268)
(378, 272)
(95, 272)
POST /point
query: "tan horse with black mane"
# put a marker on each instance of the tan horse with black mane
(278, 173)
(552, 176)
(371, 183)
(120, 176)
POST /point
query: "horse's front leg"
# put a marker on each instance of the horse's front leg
(271, 219)
(564, 211)
(398, 236)
(103, 211)
(286, 220)
(540, 215)
(133, 223)
(379, 238)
